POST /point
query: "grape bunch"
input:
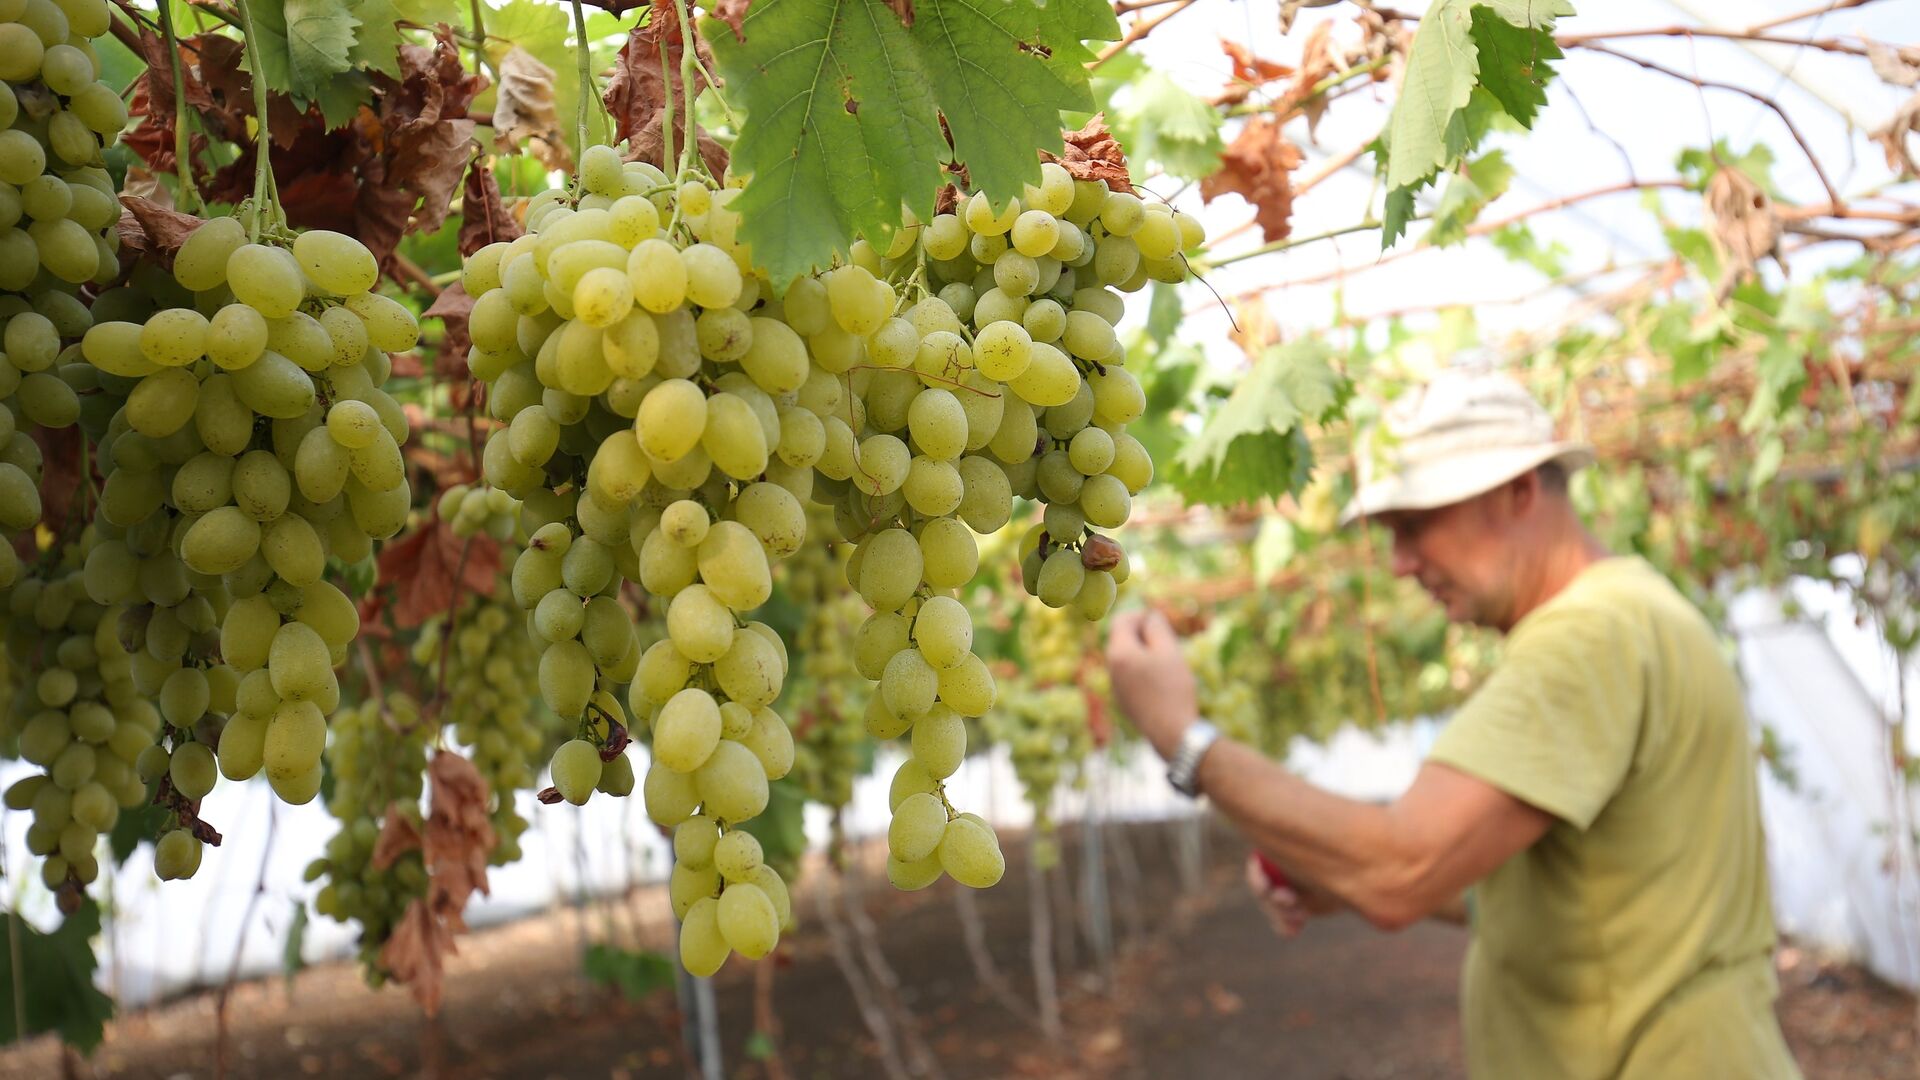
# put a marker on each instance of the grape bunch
(1004, 378)
(379, 760)
(58, 218)
(76, 713)
(1044, 729)
(828, 697)
(249, 442)
(491, 666)
(473, 510)
(642, 425)
(1230, 698)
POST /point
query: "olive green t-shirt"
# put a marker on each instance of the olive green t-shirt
(1634, 939)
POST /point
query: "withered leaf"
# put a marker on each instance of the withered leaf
(423, 568)
(1249, 71)
(636, 95)
(1092, 153)
(397, 837)
(165, 228)
(484, 217)
(459, 837)
(1258, 166)
(525, 112)
(416, 954)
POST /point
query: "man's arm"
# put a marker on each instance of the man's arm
(1395, 864)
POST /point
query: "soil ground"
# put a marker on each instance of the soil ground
(1198, 988)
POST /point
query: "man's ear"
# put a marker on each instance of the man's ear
(1523, 494)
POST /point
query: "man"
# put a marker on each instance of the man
(1593, 806)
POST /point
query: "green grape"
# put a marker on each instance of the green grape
(939, 742)
(694, 844)
(566, 678)
(747, 920)
(296, 734)
(176, 855)
(687, 730)
(736, 856)
(732, 783)
(576, 768)
(970, 854)
(943, 631)
(917, 826)
(968, 686)
(703, 947)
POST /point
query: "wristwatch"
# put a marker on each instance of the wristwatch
(1185, 762)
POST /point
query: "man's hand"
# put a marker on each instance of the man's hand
(1287, 906)
(1151, 681)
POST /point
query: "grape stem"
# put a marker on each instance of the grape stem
(265, 201)
(688, 154)
(586, 71)
(189, 196)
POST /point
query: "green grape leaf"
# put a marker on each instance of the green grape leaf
(1515, 47)
(1253, 445)
(429, 12)
(843, 130)
(636, 973)
(1471, 61)
(377, 45)
(56, 971)
(1469, 190)
(1163, 123)
(845, 105)
(1518, 243)
(305, 48)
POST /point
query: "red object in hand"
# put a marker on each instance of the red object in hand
(1275, 876)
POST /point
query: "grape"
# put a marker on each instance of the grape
(737, 855)
(747, 920)
(703, 947)
(917, 826)
(687, 730)
(176, 855)
(970, 854)
(732, 783)
(576, 768)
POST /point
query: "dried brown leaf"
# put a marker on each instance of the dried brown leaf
(1742, 221)
(733, 13)
(423, 570)
(1901, 126)
(460, 836)
(1896, 66)
(1092, 153)
(1249, 71)
(525, 111)
(637, 94)
(484, 218)
(397, 837)
(1258, 166)
(416, 954)
(165, 228)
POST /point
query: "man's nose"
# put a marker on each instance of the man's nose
(1406, 562)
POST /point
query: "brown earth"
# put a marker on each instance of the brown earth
(1199, 989)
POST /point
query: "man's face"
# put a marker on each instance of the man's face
(1459, 554)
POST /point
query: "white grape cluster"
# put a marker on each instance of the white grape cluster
(470, 511)
(1004, 378)
(492, 705)
(58, 218)
(1044, 722)
(250, 443)
(379, 759)
(829, 698)
(77, 714)
(1230, 699)
(642, 429)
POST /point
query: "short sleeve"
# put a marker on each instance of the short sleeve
(1557, 724)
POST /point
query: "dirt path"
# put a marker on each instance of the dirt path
(1207, 993)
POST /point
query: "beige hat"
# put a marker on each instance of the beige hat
(1460, 435)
